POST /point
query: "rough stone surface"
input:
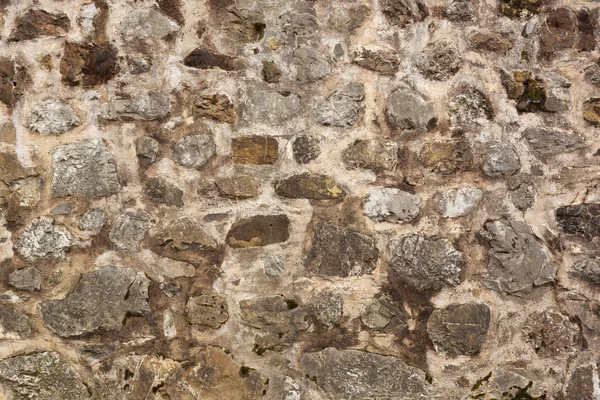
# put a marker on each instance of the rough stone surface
(207, 309)
(440, 60)
(376, 155)
(240, 187)
(146, 26)
(147, 148)
(551, 333)
(217, 107)
(306, 149)
(206, 59)
(404, 12)
(342, 109)
(459, 202)
(311, 65)
(409, 110)
(194, 151)
(309, 186)
(52, 117)
(546, 143)
(43, 238)
(161, 191)
(256, 150)
(260, 230)
(28, 279)
(500, 160)
(588, 269)
(391, 205)
(272, 107)
(447, 157)
(13, 324)
(36, 23)
(139, 106)
(129, 230)
(470, 107)
(92, 220)
(88, 64)
(580, 219)
(377, 58)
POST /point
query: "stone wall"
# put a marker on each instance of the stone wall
(299, 200)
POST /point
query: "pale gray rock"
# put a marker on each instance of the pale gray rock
(92, 220)
(518, 260)
(358, 375)
(271, 107)
(311, 65)
(101, 300)
(548, 142)
(409, 110)
(63, 209)
(391, 205)
(42, 376)
(87, 13)
(428, 264)
(194, 151)
(274, 265)
(459, 202)
(129, 230)
(147, 148)
(52, 117)
(13, 324)
(500, 160)
(28, 279)
(85, 169)
(342, 109)
(44, 239)
(147, 106)
(207, 309)
(146, 26)
(461, 11)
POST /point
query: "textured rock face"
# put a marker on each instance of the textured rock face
(378, 59)
(52, 117)
(194, 151)
(37, 23)
(256, 150)
(376, 155)
(88, 64)
(342, 108)
(129, 230)
(143, 106)
(546, 143)
(146, 26)
(272, 107)
(13, 325)
(100, 300)
(409, 110)
(44, 239)
(217, 107)
(391, 205)
(207, 309)
(26, 279)
(260, 230)
(458, 202)
(309, 186)
(580, 219)
(500, 160)
(551, 333)
(447, 157)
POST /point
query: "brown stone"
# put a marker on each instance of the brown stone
(88, 64)
(208, 59)
(8, 133)
(376, 155)
(37, 23)
(161, 191)
(490, 41)
(404, 12)
(217, 107)
(378, 59)
(244, 25)
(11, 169)
(309, 186)
(270, 72)
(260, 230)
(255, 150)
(520, 8)
(13, 82)
(559, 32)
(238, 187)
(580, 219)
(447, 157)
(207, 309)
(591, 111)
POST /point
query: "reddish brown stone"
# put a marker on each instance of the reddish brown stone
(13, 81)
(208, 59)
(88, 64)
(256, 150)
(37, 23)
(216, 106)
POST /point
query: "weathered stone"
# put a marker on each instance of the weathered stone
(272, 107)
(306, 149)
(311, 65)
(146, 27)
(553, 334)
(522, 193)
(92, 220)
(447, 157)
(194, 151)
(545, 142)
(459, 202)
(207, 309)
(63, 209)
(440, 60)
(581, 383)
(520, 8)
(377, 58)
(8, 133)
(166, 267)
(329, 307)
(254, 150)
(500, 383)
(298, 24)
(36, 23)
(375, 154)
(52, 117)
(470, 108)
(13, 82)
(559, 32)
(271, 72)
(517, 259)
(338, 252)
(587, 24)
(384, 315)
(147, 148)
(349, 16)
(88, 64)
(87, 14)
(140, 106)
(260, 230)
(274, 265)
(343, 108)
(580, 219)
(101, 300)
(186, 233)
(533, 94)
(42, 376)
(245, 25)
(353, 374)
(459, 329)
(161, 191)
(588, 269)
(217, 107)
(129, 230)
(490, 41)
(238, 187)
(207, 59)
(461, 11)
(13, 324)
(409, 110)
(309, 186)
(428, 264)
(44, 239)
(85, 169)
(404, 12)
(139, 65)
(591, 111)
(391, 205)
(500, 160)
(12, 170)
(28, 279)
(24, 197)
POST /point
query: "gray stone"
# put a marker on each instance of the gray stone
(440, 60)
(385, 315)
(102, 299)
(580, 219)
(581, 383)
(42, 376)
(329, 307)
(274, 265)
(459, 202)
(129, 230)
(139, 106)
(461, 11)
(194, 151)
(271, 107)
(518, 260)
(13, 324)
(207, 309)
(44, 239)
(161, 191)
(553, 334)
(306, 149)
(522, 192)
(147, 148)
(428, 264)
(146, 26)
(85, 169)
(470, 107)
(376, 155)
(500, 160)
(588, 269)
(358, 375)
(92, 220)
(459, 329)
(391, 205)
(52, 117)
(63, 209)
(404, 12)
(342, 108)
(298, 24)
(408, 110)
(338, 252)
(311, 65)
(545, 142)
(377, 58)
(28, 278)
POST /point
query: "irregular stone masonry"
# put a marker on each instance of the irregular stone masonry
(299, 200)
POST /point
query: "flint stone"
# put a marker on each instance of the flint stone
(207, 309)
(338, 252)
(353, 374)
(85, 169)
(580, 219)
(546, 143)
(254, 150)
(306, 149)
(459, 202)
(147, 106)
(404, 12)
(92, 220)
(391, 205)
(129, 230)
(43, 239)
(217, 107)
(260, 230)
(13, 324)
(88, 64)
(311, 65)
(101, 300)
(309, 186)
(440, 60)
(28, 279)
(194, 151)
(238, 187)
(500, 160)
(207, 59)
(459, 329)
(342, 108)
(272, 107)
(408, 110)
(161, 191)
(518, 260)
(147, 148)
(588, 269)
(52, 117)
(146, 26)
(54, 379)
(447, 157)
(428, 264)
(553, 334)
(37, 23)
(377, 58)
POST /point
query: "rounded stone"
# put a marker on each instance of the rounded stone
(194, 151)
